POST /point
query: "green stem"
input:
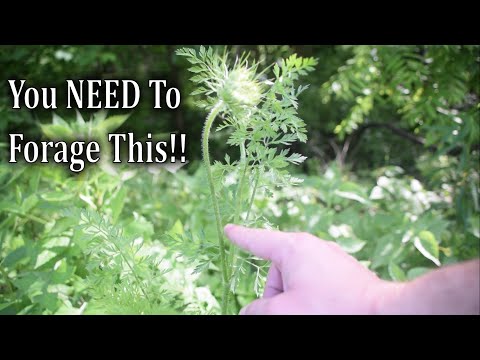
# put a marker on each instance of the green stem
(142, 289)
(206, 159)
(28, 216)
(235, 250)
(236, 217)
(250, 203)
(252, 198)
(238, 194)
(137, 279)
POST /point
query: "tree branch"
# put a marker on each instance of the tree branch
(398, 131)
(355, 137)
(406, 135)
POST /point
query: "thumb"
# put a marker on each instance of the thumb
(279, 304)
(267, 244)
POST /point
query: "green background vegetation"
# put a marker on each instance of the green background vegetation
(392, 175)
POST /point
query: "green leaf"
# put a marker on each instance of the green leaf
(117, 202)
(29, 203)
(17, 174)
(352, 191)
(62, 225)
(139, 227)
(351, 245)
(278, 163)
(99, 116)
(196, 69)
(426, 243)
(80, 119)
(44, 257)
(296, 158)
(56, 196)
(15, 257)
(350, 196)
(112, 123)
(177, 228)
(276, 71)
(395, 272)
(57, 120)
(388, 248)
(474, 227)
(57, 242)
(58, 132)
(416, 272)
(6, 305)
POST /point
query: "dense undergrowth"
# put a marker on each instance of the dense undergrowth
(102, 243)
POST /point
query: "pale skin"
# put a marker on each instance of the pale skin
(312, 276)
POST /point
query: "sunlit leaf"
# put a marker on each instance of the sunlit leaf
(112, 123)
(396, 273)
(426, 243)
(44, 257)
(350, 245)
(55, 196)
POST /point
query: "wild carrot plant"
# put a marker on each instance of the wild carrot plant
(260, 113)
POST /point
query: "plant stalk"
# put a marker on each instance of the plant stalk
(238, 194)
(249, 208)
(137, 278)
(206, 160)
(250, 203)
(236, 217)
(252, 198)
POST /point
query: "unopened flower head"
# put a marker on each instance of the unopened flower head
(241, 88)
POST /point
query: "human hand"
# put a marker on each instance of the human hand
(309, 275)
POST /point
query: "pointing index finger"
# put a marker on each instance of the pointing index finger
(267, 244)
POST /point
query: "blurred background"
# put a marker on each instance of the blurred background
(392, 173)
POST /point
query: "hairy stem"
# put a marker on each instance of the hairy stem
(206, 160)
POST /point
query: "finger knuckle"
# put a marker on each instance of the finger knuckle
(286, 251)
